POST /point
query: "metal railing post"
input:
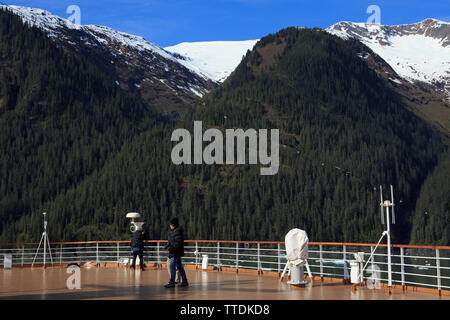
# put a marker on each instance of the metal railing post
(372, 269)
(96, 254)
(60, 254)
(402, 267)
(158, 258)
(438, 271)
(196, 255)
(45, 251)
(279, 258)
(321, 262)
(237, 256)
(118, 253)
(218, 256)
(23, 252)
(344, 257)
(259, 260)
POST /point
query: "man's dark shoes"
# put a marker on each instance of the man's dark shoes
(170, 285)
(184, 284)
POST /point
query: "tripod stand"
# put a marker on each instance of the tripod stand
(44, 238)
(289, 271)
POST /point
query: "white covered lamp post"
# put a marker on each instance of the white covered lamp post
(296, 242)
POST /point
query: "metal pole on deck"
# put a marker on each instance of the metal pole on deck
(279, 259)
(389, 247)
(45, 247)
(344, 254)
(218, 257)
(118, 253)
(438, 272)
(321, 262)
(402, 267)
(196, 255)
(259, 261)
(237, 257)
(158, 258)
(389, 218)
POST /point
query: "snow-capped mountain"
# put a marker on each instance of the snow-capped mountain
(137, 63)
(417, 52)
(215, 59)
(211, 61)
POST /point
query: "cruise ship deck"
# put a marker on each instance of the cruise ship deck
(124, 283)
(222, 270)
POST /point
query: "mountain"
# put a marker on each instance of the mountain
(414, 59)
(164, 80)
(176, 76)
(86, 150)
(417, 52)
(216, 59)
(62, 118)
(419, 58)
(343, 132)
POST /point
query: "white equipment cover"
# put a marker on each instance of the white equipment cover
(296, 242)
(133, 215)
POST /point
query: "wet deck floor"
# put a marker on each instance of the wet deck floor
(121, 283)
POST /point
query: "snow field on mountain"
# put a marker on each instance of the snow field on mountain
(215, 59)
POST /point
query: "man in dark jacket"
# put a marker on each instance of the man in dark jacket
(137, 244)
(175, 246)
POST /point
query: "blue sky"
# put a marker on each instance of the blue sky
(168, 22)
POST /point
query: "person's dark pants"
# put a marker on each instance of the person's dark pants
(175, 263)
(139, 253)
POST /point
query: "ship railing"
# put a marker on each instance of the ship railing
(412, 266)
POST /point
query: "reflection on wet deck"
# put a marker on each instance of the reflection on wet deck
(121, 283)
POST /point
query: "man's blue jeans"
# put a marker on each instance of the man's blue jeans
(175, 263)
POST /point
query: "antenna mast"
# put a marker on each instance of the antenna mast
(385, 204)
(388, 204)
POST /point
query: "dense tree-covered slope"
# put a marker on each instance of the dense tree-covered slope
(316, 89)
(343, 132)
(431, 220)
(61, 118)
